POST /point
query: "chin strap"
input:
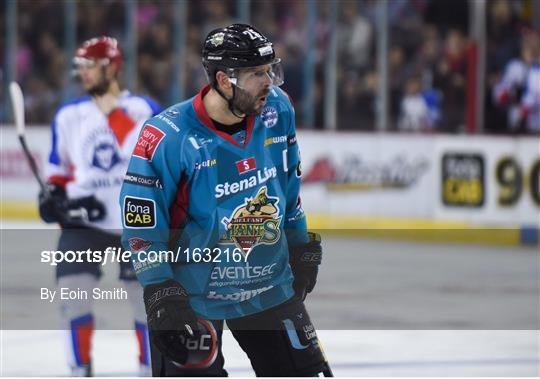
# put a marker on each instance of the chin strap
(230, 101)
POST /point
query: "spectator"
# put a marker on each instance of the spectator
(450, 77)
(420, 109)
(216, 14)
(509, 91)
(426, 40)
(355, 37)
(155, 60)
(503, 34)
(530, 102)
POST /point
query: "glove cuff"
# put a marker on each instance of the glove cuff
(309, 254)
(156, 294)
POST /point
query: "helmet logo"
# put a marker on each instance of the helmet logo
(217, 39)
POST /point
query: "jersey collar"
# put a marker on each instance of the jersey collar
(205, 119)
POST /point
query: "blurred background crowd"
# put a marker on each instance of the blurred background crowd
(428, 61)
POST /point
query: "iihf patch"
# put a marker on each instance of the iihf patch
(269, 116)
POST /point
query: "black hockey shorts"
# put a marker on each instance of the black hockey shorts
(280, 341)
(82, 239)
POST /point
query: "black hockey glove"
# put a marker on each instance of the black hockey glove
(85, 209)
(171, 320)
(54, 206)
(305, 260)
(53, 203)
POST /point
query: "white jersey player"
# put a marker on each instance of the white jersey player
(530, 103)
(519, 88)
(92, 140)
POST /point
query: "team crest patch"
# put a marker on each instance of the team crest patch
(101, 150)
(217, 39)
(256, 222)
(105, 156)
(269, 116)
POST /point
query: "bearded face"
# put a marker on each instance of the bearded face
(100, 86)
(248, 104)
(94, 78)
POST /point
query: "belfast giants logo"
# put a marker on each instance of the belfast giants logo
(269, 116)
(253, 223)
(101, 147)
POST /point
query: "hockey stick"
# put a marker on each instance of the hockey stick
(17, 102)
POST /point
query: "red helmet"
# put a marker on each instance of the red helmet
(103, 50)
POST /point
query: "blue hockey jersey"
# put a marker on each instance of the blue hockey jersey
(216, 212)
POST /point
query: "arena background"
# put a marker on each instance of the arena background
(428, 197)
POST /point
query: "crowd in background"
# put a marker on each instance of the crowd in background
(429, 54)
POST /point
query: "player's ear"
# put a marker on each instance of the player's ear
(223, 80)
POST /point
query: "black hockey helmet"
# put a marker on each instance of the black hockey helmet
(238, 46)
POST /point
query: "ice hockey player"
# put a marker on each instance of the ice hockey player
(530, 102)
(519, 87)
(92, 140)
(230, 213)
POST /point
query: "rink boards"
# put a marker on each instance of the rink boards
(420, 187)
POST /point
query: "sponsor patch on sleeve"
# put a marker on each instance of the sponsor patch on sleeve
(148, 142)
(142, 180)
(291, 140)
(138, 244)
(139, 212)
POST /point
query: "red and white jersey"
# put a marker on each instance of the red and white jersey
(90, 151)
(531, 99)
(515, 75)
(508, 91)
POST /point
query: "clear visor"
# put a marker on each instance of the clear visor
(80, 62)
(241, 77)
(85, 63)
